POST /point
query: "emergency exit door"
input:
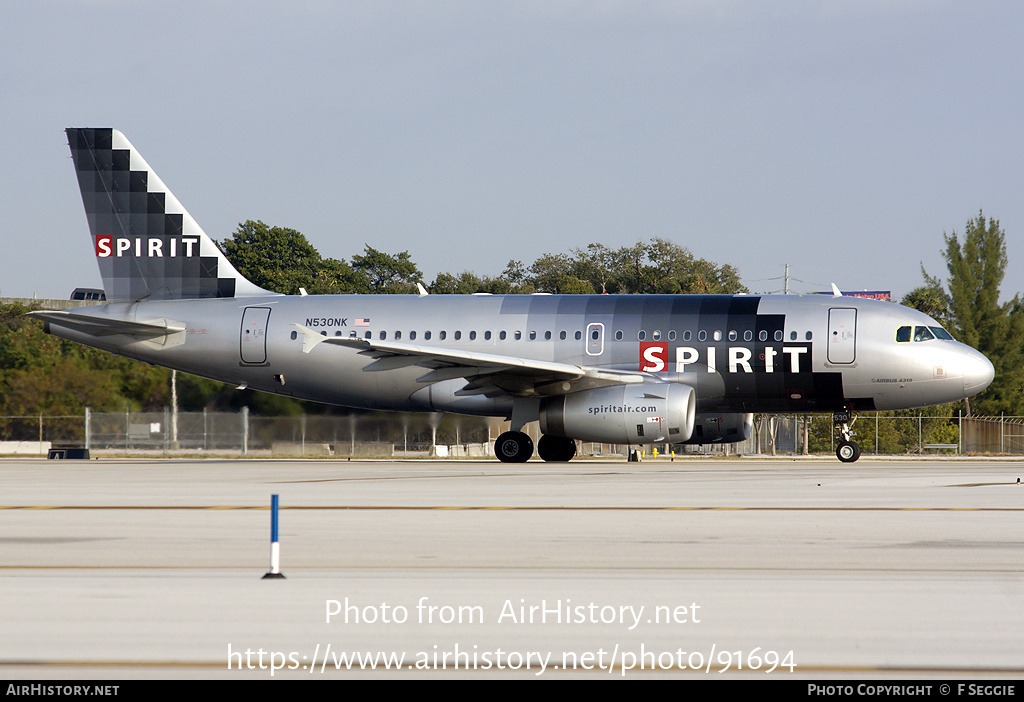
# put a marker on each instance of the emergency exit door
(842, 335)
(253, 341)
(595, 339)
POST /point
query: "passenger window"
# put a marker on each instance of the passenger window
(903, 335)
(618, 335)
(748, 335)
(672, 335)
(518, 335)
(547, 336)
(733, 335)
(656, 335)
(472, 336)
(398, 335)
(641, 335)
(426, 335)
(762, 335)
(809, 335)
(579, 335)
(412, 336)
(458, 335)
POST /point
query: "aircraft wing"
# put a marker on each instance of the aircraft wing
(486, 373)
(105, 326)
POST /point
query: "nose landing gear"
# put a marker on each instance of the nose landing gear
(848, 450)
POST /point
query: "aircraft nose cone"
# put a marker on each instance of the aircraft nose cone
(978, 373)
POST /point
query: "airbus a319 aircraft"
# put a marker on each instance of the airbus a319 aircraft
(620, 369)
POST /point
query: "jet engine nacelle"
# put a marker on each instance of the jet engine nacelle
(645, 413)
(720, 428)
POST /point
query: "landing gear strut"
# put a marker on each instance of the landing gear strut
(848, 451)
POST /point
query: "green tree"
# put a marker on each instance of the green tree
(930, 298)
(386, 273)
(43, 374)
(282, 260)
(555, 273)
(596, 265)
(512, 281)
(657, 267)
(973, 313)
(465, 284)
(334, 277)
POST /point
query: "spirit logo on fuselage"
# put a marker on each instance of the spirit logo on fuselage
(108, 246)
(787, 358)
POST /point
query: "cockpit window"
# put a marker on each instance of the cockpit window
(906, 334)
(923, 334)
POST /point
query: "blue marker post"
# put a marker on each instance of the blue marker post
(275, 547)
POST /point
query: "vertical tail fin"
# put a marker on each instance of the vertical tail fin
(147, 246)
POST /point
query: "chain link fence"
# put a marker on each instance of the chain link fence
(366, 434)
(888, 435)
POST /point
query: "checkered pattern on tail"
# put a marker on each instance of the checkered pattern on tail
(147, 245)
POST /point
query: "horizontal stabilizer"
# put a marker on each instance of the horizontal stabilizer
(104, 326)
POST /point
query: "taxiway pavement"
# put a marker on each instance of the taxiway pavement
(153, 568)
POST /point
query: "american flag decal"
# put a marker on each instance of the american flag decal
(362, 321)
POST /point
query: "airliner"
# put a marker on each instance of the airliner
(634, 370)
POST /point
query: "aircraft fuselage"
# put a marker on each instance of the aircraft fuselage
(744, 353)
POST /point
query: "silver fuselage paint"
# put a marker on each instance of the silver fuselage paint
(741, 354)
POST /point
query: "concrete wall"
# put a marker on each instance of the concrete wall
(43, 304)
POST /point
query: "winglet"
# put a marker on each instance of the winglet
(835, 291)
(423, 290)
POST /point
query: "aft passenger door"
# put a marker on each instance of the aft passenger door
(842, 335)
(253, 341)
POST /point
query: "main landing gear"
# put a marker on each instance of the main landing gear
(848, 451)
(556, 448)
(513, 447)
(517, 447)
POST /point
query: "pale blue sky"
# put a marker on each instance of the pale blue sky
(840, 137)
